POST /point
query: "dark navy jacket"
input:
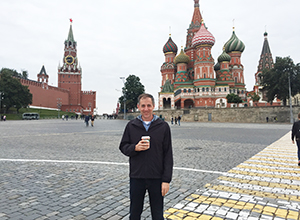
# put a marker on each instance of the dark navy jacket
(157, 161)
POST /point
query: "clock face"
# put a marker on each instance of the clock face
(69, 59)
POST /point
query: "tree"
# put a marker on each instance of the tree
(276, 80)
(132, 89)
(14, 93)
(14, 73)
(233, 98)
(255, 98)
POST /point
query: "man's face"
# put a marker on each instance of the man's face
(146, 108)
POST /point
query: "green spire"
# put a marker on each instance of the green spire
(70, 36)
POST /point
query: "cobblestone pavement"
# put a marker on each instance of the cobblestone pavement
(54, 169)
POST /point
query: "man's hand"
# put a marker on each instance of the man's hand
(165, 188)
(293, 141)
(142, 145)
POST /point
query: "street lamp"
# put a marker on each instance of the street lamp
(290, 100)
(124, 95)
(1, 93)
(58, 105)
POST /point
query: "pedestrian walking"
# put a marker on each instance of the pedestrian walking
(87, 118)
(92, 120)
(147, 142)
(296, 135)
(4, 117)
(175, 120)
(178, 119)
(172, 120)
(267, 118)
(63, 117)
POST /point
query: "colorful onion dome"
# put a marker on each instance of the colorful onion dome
(170, 46)
(182, 58)
(234, 44)
(217, 67)
(203, 37)
(224, 57)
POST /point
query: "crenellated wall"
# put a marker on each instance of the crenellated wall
(46, 96)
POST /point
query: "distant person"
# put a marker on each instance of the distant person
(63, 117)
(175, 120)
(178, 119)
(67, 116)
(87, 118)
(267, 118)
(92, 120)
(296, 135)
(172, 120)
(76, 116)
(4, 117)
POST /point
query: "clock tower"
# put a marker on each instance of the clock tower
(69, 74)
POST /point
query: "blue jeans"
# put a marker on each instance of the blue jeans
(138, 189)
(298, 145)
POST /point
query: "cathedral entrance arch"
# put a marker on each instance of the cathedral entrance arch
(166, 103)
(188, 103)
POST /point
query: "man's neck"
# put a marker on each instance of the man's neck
(147, 119)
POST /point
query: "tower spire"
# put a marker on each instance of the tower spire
(70, 35)
(195, 24)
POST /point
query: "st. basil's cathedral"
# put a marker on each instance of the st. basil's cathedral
(192, 79)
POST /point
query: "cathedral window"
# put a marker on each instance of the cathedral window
(220, 89)
(203, 89)
(189, 90)
(224, 89)
(207, 89)
(184, 90)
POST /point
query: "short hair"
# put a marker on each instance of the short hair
(299, 115)
(146, 95)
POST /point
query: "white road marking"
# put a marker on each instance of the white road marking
(101, 162)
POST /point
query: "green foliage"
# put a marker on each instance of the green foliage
(14, 73)
(132, 89)
(255, 98)
(14, 94)
(276, 80)
(44, 113)
(233, 98)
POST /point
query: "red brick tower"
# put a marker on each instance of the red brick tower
(168, 69)
(69, 74)
(191, 32)
(43, 78)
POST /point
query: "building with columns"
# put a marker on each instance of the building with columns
(193, 75)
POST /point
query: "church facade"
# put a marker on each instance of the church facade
(68, 95)
(192, 79)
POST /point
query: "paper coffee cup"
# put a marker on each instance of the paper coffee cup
(147, 138)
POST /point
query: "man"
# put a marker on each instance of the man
(151, 162)
(296, 135)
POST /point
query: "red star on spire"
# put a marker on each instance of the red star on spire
(71, 20)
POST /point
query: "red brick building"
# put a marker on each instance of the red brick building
(68, 96)
(192, 79)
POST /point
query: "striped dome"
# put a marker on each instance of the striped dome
(170, 46)
(182, 58)
(202, 37)
(224, 57)
(217, 67)
(234, 44)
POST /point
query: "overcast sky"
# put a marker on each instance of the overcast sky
(121, 37)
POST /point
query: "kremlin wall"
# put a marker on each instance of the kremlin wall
(68, 96)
